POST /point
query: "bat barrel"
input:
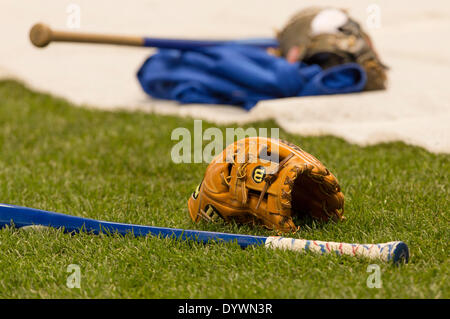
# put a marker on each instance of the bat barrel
(23, 216)
(182, 44)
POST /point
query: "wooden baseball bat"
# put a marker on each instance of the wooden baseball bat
(41, 35)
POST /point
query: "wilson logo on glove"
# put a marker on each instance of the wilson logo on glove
(258, 174)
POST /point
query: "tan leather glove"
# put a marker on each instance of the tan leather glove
(266, 181)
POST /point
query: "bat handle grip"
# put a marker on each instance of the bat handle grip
(41, 35)
(396, 251)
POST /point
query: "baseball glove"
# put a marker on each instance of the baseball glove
(267, 182)
(328, 37)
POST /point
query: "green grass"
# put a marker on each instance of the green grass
(117, 167)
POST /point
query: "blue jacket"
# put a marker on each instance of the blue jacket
(240, 75)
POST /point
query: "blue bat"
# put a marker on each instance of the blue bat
(17, 216)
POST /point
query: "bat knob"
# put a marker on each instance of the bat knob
(40, 35)
(400, 253)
